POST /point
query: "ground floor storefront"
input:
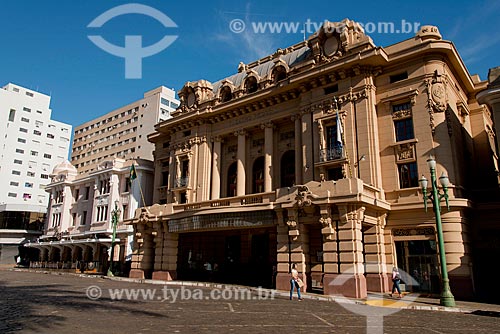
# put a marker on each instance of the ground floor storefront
(89, 255)
(347, 247)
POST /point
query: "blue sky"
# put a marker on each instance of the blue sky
(45, 45)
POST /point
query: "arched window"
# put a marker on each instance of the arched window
(225, 94)
(258, 175)
(279, 73)
(251, 85)
(232, 176)
(288, 169)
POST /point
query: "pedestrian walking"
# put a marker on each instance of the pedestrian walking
(295, 282)
(396, 279)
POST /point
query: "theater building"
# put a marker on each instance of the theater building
(312, 155)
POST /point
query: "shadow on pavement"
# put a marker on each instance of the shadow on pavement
(25, 307)
(487, 313)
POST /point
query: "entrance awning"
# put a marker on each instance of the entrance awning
(12, 241)
(103, 241)
(223, 221)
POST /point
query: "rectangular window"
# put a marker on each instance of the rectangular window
(30, 174)
(47, 156)
(18, 162)
(12, 195)
(49, 135)
(16, 172)
(404, 129)
(12, 115)
(408, 175)
(44, 176)
(39, 111)
(333, 145)
(26, 109)
(24, 119)
(73, 222)
(30, 94)
(21, 140)
(36, 132)
(15, 89)
(26, 196)
(34, 153)
(23, 130)
(18, 150)
(14, 184)
(84, 218)
(28, 185)
(87, 193)
(173, 105)
(164, 101)
(38, 124)
(403, 124)
(398, 77)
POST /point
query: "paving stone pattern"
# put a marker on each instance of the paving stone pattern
(33, 302)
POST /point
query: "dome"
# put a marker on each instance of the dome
(64, 168)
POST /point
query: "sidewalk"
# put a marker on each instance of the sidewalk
(409, 300)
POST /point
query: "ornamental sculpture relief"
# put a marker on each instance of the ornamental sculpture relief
(405, 151)
(437, 100)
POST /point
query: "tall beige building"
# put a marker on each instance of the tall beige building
(122, 133)
(313, 155)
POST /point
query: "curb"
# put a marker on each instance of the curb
(273, 292)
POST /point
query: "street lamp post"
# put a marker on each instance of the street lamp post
(114, 222)
(447, 298)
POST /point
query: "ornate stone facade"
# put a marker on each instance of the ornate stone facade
(312, 156)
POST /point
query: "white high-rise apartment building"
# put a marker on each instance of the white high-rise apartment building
(31, 144)
(122, 133)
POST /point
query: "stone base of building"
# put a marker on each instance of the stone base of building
(352, 286)
(377, 282)
(164, 275)
(461, 287)
(136, 273)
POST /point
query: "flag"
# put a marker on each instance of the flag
(339, 131)
(133, 173)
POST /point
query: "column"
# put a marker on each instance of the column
(330, 256)
(171, 176)
(165, 263)
(283, 254)
(298, 148)
(307, 148)
(458, 258)
(268, 155)
(114, 195)
(241, 177)
(143, 254)
(216, 165)
(351, 281)
(157, 181)
(203, 170)
(376, 268)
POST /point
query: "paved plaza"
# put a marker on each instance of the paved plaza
(37, 302)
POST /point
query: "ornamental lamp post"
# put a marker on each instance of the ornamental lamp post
(436, 196)
(115, 214)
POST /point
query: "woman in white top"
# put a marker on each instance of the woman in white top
(396, 279)
(294, 282)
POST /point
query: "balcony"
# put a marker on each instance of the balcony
(253, 199)
(334, 153)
